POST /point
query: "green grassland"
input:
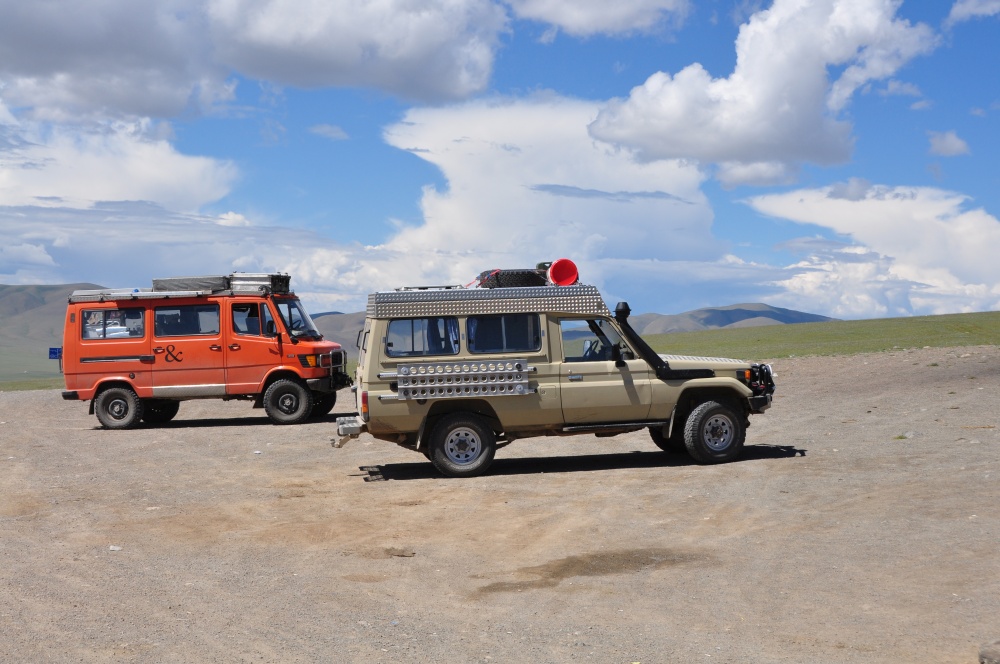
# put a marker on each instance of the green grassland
(18, 371)
(836, 337)
(28, 369)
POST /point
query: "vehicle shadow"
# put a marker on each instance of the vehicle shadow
(244, 421)
(423, 470)
(208, 422)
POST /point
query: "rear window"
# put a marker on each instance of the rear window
(187, 320)
(112, 323)
(507, 333)
(416, 337)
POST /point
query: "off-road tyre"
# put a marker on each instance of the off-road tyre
(159, 411)
(288, 401)
(323, 403)
(714, 432)
(462, 445)
(674, 444)
(118, 408)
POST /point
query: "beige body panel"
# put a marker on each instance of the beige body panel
(565, 390)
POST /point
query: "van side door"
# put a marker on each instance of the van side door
(187, 345)
(252, 348)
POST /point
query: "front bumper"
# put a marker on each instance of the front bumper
(760, 403)
(329, 383)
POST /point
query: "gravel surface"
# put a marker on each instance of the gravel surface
(861, 525)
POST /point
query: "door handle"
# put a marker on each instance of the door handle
(215, 347)
(575, 377)
(234, 346)
(159, 349)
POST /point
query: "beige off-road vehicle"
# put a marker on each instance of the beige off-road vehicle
(457, 372)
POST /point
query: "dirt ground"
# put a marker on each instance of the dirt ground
(861, 525)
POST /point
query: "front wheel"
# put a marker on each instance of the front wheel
(118, 408)
(462, 445)
(714, 432)
(288, 401)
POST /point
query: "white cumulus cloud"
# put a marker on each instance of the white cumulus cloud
(589, 17)
(526, 180)
(100, 59)
(433, 49)
(70, 167)
(779, 105)
(965, 10)
(947, 144)
(910, 250)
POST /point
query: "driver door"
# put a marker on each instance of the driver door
(595, 386)
(252, 348)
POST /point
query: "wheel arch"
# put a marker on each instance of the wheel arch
(444, 407)
(108, 384)
(692, 396)
(270, 379)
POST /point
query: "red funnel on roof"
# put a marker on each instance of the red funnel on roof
(563, 272)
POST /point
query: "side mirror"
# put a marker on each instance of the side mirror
(616, 355)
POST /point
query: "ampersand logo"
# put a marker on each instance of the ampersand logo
(174, 356)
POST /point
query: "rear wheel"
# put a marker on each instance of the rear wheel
(159, 411)
(323, 403)
(288, 401)
(714, 432)
(118, 408)
(462, 445)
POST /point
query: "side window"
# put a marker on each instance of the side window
(409, 337)
(112, 323)
(187, 320)
(246, 318)
(506, 333)
(590, 340)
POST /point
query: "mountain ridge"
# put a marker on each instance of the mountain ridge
(31, 322)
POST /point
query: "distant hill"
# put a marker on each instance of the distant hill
(344, 328)
(713, 318)
(31, 321)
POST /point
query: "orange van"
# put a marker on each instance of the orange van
(136, 354)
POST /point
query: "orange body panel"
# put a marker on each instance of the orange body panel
(210, 346)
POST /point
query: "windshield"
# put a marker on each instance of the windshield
(296, 318)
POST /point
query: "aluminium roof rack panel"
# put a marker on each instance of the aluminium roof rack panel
(579, 299)
(259, 282)
(237, 282)
(114, 294)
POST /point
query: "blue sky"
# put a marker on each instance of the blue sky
(832, 156)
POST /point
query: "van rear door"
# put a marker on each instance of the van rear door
(103, 342)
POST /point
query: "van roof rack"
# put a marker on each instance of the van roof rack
(237, 283)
